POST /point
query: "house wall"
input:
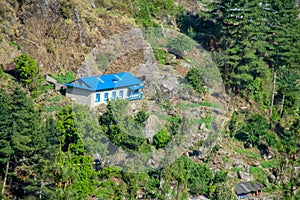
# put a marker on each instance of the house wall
(93, 95)
(86, 97)
(79, 96)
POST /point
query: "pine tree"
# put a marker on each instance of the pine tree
(71, 140)
(283, 49)
(20, 126)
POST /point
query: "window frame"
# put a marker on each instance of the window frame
(121, 94)
(113, 95)
(106, 96)
(98, 98)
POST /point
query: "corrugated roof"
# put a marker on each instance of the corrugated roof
(106, 81)
(247, 187)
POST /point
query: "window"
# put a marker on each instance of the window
(121, 94)
(113, 96)
(97, 97)
(105, 96)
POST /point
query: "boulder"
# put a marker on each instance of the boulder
(152, 126)
(271, 178)
(245, 176)
(232, 175)
(238, 163)
(162, 88)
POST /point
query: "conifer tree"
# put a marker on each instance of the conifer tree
(20, 126)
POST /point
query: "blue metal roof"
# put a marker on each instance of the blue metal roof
(136, 87)
(106, 81)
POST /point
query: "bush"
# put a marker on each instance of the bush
(28, 72)
(194, 78)
(141, 116)
(161, 56)
(65, 78)
(268, 164)
(144, 17)
(161, 139)
(259, 174)
(220, 177)
(180, 45)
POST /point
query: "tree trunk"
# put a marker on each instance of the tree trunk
(5, 177)
(273, 92)
(282, 104)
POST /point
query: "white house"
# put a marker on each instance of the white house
(95, 90)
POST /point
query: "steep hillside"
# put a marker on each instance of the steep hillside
(212, 104)
(58, 34)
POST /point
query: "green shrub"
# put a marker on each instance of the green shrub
(45, 88)
(180, 45)
(220, 176)
(184, 106)
(52, 108)
(161, 139)
(55, 99)
(237, 169)
(28, 72)
(256, 170)
(64, 78)
(143, 17)
(194, 78)
(259, 174)
(161, 56)
(247, 153)
(141, 116)
(268, 164)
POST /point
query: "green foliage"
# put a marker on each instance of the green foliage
(220, 177)
(173, 124)
(182, 105)
(256, 91)
(167, 105)
(64, 78)
(259, 174)
(14, 44)
(180, 45)
(237, 169)
(46, 88)
(255, 130)
(76, 175)
(141, 116)
(55, 99)
(199, 178)
(160, 8)
(89, 130)
(248, 153)
(225, 160)
(161, 56)
(143, 17)
(66, 9)
(123, 130)
(161, 139)
(66, 126)
(269, 164)
(28, 71)
(253, 39)
(21, 138)
(188, 176)
(194, 77)
(153, 9)
(290, 138)
(224, 191)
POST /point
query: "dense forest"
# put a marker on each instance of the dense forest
(48, 145)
